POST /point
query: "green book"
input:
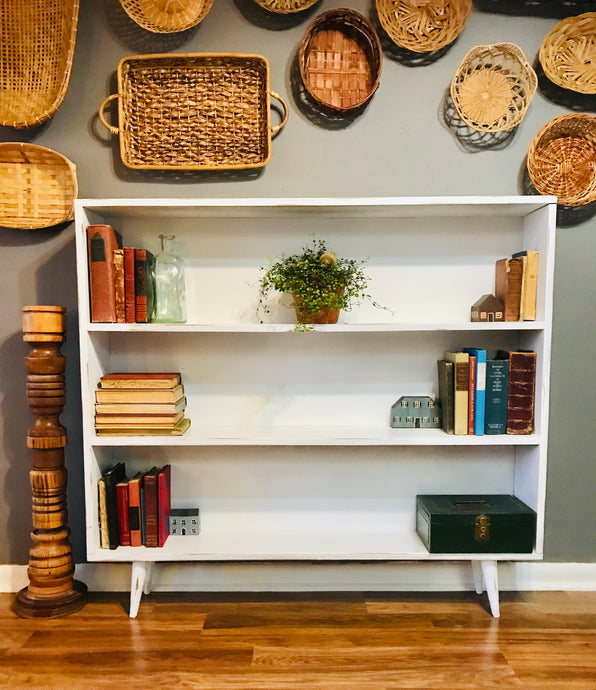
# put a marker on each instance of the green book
(445, 370)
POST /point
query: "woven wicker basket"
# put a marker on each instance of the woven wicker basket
(562, 159)
(340, 59)
(423, 26)
(37, 186)
(493, 86)
(38, 40)
(166, 16)
(195, 111)
(568, 53)
(285, 6)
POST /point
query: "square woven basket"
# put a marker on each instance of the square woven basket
(195, 111)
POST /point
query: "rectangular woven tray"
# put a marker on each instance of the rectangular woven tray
(197, 111)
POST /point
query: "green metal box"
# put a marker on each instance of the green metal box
(475, 524)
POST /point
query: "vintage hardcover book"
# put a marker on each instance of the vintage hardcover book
(521, 390)
(461, 374)
(150, 486)
(134, 508)
(178, 430)
(471, 394)
(445, 371)
(102, 510)
(480, 388)
(119, 285)
(508, 284)
(530, 284)
(123, 517)
(144, 286)
(141, 408)
(139, 380)
(497, 388)
(165, 420)
(163, 504)
(143, 530)
(115, 474)
(129, 284)
(152, 395)
(101, 242)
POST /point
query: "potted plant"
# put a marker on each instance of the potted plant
(320, 283)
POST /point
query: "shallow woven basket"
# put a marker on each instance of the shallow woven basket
(37, 39)
(562, 159)
(423, 26)
(568, 53)
(38, 186)
(493, 86)
(286, 6)
(166, 16)
(340, 59)
(194, 111)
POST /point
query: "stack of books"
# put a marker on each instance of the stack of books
(140, 404)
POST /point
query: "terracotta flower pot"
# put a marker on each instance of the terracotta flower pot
(325, 315)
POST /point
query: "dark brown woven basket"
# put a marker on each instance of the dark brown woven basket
(340, 59)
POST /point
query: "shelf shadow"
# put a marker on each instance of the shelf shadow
(579, 102)
(536, 8)
(273, 21)
(469, 139)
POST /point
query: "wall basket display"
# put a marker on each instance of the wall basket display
(195, 111)
(286, 6)
(423, 26)
(167, 16)
(568, 53)
(38, 40)
(493, 86)
(38, 186)
(562, 159)
(340, 60)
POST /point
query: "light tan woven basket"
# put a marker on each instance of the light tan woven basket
(194, 111)
(562, 159)
(37, 39)
(340, 60)
(423, 26)
(568, 53)
(493, 86)
(285, 6)
(167, 16)
(38, 186)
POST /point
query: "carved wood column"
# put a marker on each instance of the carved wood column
(52, 591)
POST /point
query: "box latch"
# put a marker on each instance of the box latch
(482, 528)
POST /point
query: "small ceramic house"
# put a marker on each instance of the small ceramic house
(487, 308)
(416, 412)
(184, 521)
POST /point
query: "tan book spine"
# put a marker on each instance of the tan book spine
(508, 285)
(122, 395)
(104, 536)
(461, 378)
(140, 380)
(140, 408)
(119, 298)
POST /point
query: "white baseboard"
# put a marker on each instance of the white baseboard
(307, 577)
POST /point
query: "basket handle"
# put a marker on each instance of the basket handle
(276, 128)
(104, 122)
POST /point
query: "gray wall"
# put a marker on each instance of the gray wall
(399, 146)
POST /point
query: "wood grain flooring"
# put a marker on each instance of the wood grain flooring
(367, 641)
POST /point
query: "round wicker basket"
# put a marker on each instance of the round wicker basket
(562, 159)
(166, 16)
(568, 53)
(340, 60)
(38, 186)
(493, 86)
(423, 26)
(286, 6)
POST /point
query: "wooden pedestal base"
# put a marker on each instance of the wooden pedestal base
(28, 605)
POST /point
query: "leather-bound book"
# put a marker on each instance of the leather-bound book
(461, 385)
(508, 286)
(101, 242)
(134, 509)
(119, 284)
(123, 517)
(144, 286)
(163, 504)
(129, 284)
(150, 486)
(521, 390)
(445, 371)
(529, 283)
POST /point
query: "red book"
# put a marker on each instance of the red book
(123, 522)
(150, 486)
(129, 284)
(134, 509)
(163, 504)
(101, 242)
(472, 396)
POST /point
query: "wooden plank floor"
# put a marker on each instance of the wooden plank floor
(365, 641)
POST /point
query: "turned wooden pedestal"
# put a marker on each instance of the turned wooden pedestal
(52, 591)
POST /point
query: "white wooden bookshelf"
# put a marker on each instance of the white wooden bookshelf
(290, 455)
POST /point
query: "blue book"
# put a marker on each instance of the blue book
(497, 388)
(480, 400)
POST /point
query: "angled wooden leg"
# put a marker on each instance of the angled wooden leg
(478, 580)
(148, 577)
(138, 578)
(491, 583)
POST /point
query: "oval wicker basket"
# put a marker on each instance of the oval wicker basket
(493, 86)
(423, 26)
(167, 16)
(562, 159)
(340, 60)
(38, 40)
(568, 53)
(38, 186)
(285, 6)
